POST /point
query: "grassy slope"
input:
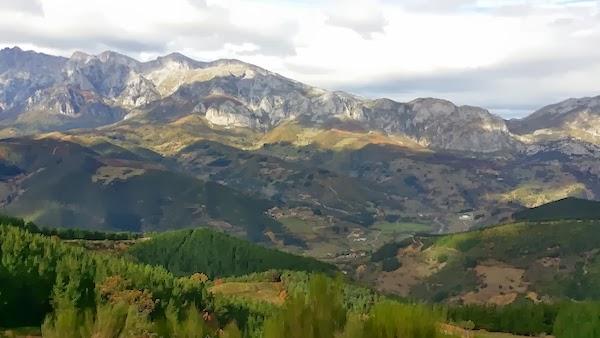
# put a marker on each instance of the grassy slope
(268, 292)
(334, 139)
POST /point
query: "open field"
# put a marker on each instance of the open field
(455, 330)
(270, 292)
(402, 227)
(21, 332)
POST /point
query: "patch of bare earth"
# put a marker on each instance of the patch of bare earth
(499, 284)
(110, 246)
(270, 292)
(107, 175)
(463, 333)
(415, 268)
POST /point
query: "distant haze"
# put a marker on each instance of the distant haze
(511, 56)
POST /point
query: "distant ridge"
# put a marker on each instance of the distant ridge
(567, 208)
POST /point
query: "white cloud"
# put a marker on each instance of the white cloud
(508, 55)
(438, 5)
(361, 16)
(23, 6)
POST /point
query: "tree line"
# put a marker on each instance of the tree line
(68, 233)
(566, 319)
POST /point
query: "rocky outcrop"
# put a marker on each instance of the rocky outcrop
(569, 147)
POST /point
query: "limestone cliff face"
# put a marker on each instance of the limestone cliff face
(441, 124)
(93, 90)
(261, 100)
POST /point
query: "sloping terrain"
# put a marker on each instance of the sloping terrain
(54, 182)
(40, 92)
(567, 208)
(500, 265)
(59, 271)
(327, 201)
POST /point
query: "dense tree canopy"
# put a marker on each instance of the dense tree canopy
(36, 269)
(186, 252)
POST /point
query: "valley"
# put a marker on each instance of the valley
(355, 162)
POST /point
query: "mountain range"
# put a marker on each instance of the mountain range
(106, 141)
(40, 92)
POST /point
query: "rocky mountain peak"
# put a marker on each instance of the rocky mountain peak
(79, 56)
(104, 59)
(172, 61)
(582, 113)
(114, 57)
(17, 60)
(430, 107)
(10, 50)
(182, 59)
(241, 66)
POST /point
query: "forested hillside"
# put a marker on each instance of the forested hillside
(68, 291)
(83, 295)
(185, 252)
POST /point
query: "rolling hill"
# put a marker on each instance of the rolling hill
(567, 208)
(540, 261)
(186, 252)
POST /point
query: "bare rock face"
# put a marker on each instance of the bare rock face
(93, 90)
(441, 124)
(22, 74)
(231, 114)
(138, 91)
(569, 147)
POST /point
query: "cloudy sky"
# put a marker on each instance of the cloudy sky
(510, 56)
